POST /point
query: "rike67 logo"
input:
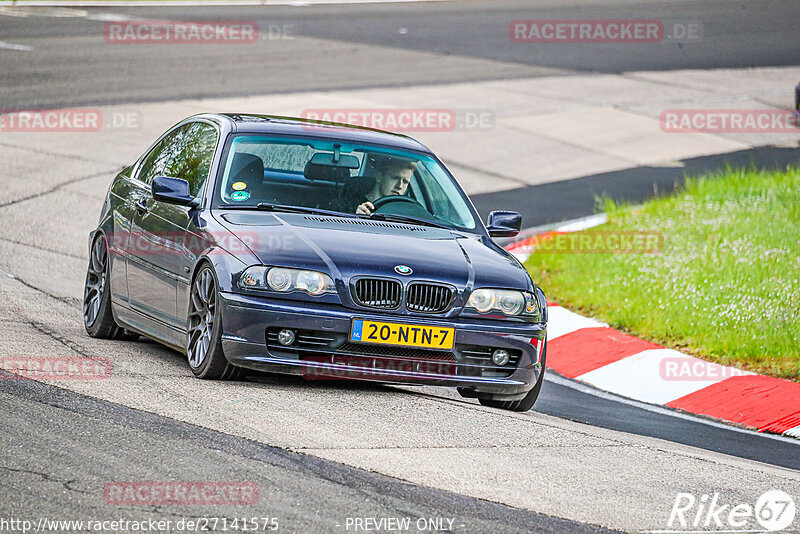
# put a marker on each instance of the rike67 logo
(774, 510)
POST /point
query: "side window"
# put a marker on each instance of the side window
(441, 192)
(440, 204)
(192, 162)
(156, 161)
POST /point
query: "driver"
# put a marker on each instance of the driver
(392, 178)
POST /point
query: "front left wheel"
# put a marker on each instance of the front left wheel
(204, 339)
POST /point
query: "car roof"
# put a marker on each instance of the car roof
(275, 124)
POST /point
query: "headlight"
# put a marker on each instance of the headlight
(506, 301)
(286, 280)
(482, 300)
(279, 279)
(312, 282)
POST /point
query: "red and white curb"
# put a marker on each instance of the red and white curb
(589, 351)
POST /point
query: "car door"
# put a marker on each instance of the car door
(122, 211)
(157, 263)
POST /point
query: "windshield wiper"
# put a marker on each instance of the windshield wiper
(391, 217)
(266, 206)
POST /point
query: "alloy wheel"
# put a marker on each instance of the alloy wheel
(202, 308)
(95, 282)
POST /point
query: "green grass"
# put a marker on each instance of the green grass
(725, 287)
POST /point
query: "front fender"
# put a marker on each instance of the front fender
(542, 303)
(227, 267)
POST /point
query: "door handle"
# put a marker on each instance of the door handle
(141, 206)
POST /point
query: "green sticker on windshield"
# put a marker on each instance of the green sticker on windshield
(240, 196)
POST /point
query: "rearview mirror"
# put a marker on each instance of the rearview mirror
(173, 191)
(504, 223)
(327, 158)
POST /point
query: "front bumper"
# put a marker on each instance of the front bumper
(323, 349)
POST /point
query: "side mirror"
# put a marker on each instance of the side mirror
(504, 223)
(173, 191)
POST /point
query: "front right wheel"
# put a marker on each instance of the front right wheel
(525, 403)
(204, 339)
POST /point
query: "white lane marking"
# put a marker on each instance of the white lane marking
(23, 12)
(561, 321)
(658, 376)
(794, 432)
(523, 252)
(572, 225)
(109, 17)
(584, 223)
(589, 390)
(18, 10)
(12, 46)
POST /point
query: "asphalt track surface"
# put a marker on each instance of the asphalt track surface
(88, 433)
(351, 46)
(71, 65)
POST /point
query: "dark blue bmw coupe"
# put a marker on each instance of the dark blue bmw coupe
(324, 250)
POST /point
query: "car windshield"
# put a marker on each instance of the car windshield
(340, 176)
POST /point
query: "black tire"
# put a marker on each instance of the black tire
(204, 337)
(526, 403)
(98, 318)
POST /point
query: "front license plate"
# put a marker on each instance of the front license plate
(403, 335)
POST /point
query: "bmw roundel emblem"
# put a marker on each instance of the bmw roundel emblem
(403, 269)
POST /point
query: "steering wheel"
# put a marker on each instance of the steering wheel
(381, 202)
(400, 205)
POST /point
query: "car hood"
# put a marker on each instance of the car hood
(348, 247)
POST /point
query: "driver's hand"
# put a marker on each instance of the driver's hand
(365, 209)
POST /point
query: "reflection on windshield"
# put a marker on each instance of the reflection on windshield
(340, 177)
